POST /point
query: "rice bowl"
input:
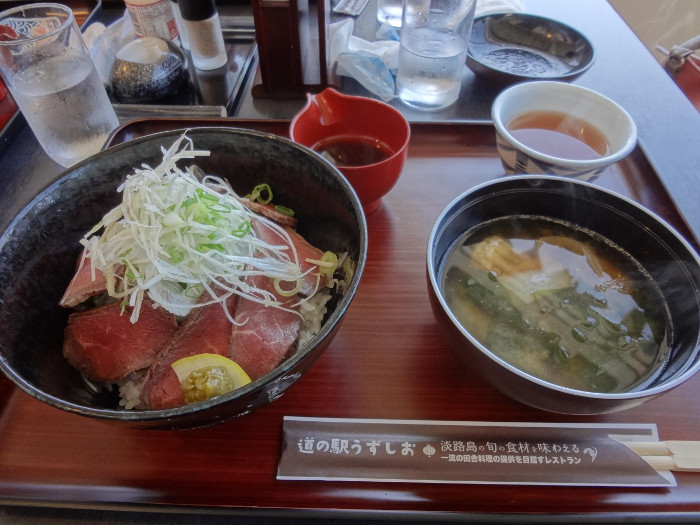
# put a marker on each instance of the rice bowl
(329, 214)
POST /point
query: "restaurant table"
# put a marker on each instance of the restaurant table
(387, 361)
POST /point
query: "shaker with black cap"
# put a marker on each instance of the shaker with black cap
(201, 19)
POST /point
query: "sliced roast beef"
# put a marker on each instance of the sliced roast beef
(83, 286)
(104, 345)
(206, 329)
(305, 252)
(263, 335)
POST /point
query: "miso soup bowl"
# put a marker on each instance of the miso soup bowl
(608, 117)
(663, 252)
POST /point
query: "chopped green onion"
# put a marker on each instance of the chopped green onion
(208, 246)
(288, 293)
(261, 193)
(242, 230)
(222, 223)
(176, 255)
(198, 212)
(329, 263)
(284, 210)
(194, 292)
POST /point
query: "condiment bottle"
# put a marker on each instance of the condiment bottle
(152, 18)
(201, 20)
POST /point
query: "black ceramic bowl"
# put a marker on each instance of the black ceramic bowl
(515, 47)
(670, 260)
(39, 249)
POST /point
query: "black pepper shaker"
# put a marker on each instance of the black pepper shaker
(201, 19)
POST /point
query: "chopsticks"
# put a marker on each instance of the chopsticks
(669, 455)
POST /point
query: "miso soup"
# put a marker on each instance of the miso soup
(559, 302)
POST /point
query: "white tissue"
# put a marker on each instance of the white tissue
(370, 71)
(343, 41)
(370, 63)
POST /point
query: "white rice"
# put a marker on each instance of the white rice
(130, 390)
(312, 313)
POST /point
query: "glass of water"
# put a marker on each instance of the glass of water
(433, 52)
(49, 72)
(389, 11)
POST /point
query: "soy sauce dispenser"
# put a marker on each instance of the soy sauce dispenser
(201, 20)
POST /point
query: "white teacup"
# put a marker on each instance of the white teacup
(609, 118)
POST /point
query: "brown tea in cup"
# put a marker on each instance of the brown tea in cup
(559, 135)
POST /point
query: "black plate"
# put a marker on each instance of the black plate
(513, 47)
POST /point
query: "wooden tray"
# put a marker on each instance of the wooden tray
(388, 361)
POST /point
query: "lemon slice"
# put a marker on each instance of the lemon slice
(204, 376)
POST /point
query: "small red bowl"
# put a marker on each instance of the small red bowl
(332, 115)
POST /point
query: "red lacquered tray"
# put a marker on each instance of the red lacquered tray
(388, 361)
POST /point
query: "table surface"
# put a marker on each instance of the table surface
(360, 375)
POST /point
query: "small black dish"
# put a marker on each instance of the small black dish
(515, 47)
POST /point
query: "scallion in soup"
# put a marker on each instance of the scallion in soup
(558, 302)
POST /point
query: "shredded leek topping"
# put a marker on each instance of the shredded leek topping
(176, 237)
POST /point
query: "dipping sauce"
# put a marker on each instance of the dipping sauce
(559, 135)
(559, 302)
(353, 150)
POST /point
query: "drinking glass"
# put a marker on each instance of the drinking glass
(48, 70)
(433, 51)
(389, 11)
